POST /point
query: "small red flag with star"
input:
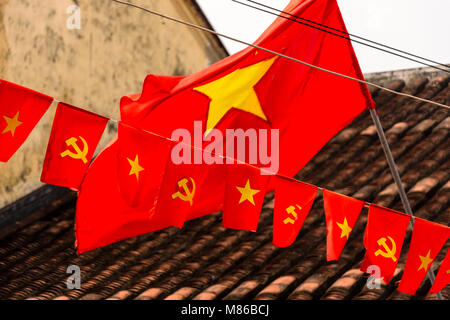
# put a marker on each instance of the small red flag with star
(244, 197)
(443, 276)
(383, 239)
(252, 89)
(73, 140)
(20, 111)
(341, 214)
(293, 201)
(142, 160)
(427, 240)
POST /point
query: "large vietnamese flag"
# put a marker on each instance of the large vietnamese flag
(252, 89)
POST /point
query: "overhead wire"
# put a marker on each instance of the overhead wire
(344, 34)
(278, 54)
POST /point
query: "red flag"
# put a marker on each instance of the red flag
(244, 197)
(20, 111)
(101, 223)
(341, 213)
(254, 89)
(181, 190)
(73, 140)
(293, 201)
(383, 239)
(443, 276)
(142, 160)
(427, 240)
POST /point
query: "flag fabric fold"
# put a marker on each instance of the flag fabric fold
(426, 242)
(73, 140)
(244, 196)
(383, 240)
(182, 187)
(20, 111)
(252, 89)
(105, 222)
(142, 159)
(293, 201)
(443, 276)
(341, 214)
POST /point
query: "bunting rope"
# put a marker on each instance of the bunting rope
(343, 34)
(279, 54)
(430, 273)
(366, 205)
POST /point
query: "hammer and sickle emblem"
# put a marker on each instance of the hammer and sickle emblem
(390, 252)
(447, 272)
(291, 210)
(188, 194)
(79, 154)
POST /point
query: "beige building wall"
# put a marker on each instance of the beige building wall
(116, 47)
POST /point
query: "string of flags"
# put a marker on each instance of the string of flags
(148, 182)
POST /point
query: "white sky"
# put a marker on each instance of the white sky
(418, 26)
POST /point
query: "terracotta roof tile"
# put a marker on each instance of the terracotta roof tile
(206, 261)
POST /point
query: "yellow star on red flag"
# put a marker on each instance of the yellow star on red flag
(345, 229)
(247, 193)
(135, 167)
(235, 90)
(12, 124)
(425, 261)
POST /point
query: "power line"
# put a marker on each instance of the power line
(344, 35)
(277, 53)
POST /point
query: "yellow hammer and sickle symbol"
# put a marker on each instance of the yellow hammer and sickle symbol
(79, 154)
(291, 210)
(390, 252)
(188, 194)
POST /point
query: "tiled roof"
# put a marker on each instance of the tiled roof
(206, 261)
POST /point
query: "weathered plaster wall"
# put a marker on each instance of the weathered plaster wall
(109, 57)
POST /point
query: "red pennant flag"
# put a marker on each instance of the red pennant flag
(73, 140)
(383, 239)
(427, 240)
(293, 201)
(142, 160)
(254, 89)
(443, 276)
(341, 214)
(101, 223)
(244, 197)
(181, 190)
(20, 111)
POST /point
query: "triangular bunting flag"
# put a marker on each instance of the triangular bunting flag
(293, 201)
(245, 91)
(20, 111)
(427, 240)
(341, 213)
(142, 160)
(244, 196)
(383, 239)
(101, 223)
(180, 191)
(443, 276)
(73, 140)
